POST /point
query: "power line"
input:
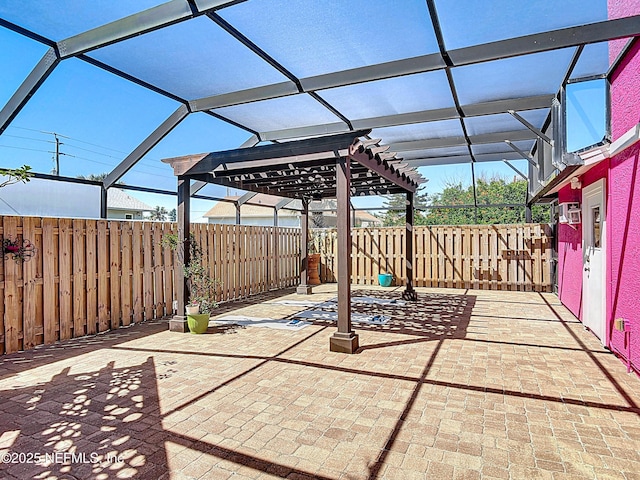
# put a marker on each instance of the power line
(25, 148)
(28, 138)
(79, 141)
(78, 157)
(143, 163)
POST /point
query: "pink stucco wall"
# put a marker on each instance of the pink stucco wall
(624, 210)
(620, 9)
(622, 174)
(570, 258)
(570, 246)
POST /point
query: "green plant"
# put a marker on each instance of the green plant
(201, 286)
(15, 175)
(171, 240)
(320, 240)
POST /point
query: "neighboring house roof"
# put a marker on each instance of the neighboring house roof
(119, 200)
(228, 210)
(367, 217)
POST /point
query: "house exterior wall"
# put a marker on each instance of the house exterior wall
(624, 215)
(570, 246)
(124, 214)
(622, 175)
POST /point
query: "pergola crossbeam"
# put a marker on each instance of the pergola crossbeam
(261, 154)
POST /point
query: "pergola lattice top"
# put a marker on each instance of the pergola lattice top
(304, 169)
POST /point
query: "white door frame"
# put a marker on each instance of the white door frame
(594, 303)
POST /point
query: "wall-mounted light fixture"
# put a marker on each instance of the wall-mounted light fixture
(576, 184)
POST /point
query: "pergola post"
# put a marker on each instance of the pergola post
(179, 321)
(304, 288)
(409, 293)
(344, 340)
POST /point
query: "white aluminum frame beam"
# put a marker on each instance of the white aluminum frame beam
(29, 86)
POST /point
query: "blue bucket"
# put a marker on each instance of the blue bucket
(385, 279)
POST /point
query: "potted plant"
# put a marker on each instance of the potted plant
(198, 322)
(200, 285)
(385, 279)
(192, 308)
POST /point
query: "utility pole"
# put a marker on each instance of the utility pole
(57, 154)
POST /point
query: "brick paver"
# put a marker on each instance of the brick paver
(463, 384)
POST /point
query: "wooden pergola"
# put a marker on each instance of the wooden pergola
(335, 166)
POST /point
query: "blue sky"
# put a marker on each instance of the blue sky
(100, 118)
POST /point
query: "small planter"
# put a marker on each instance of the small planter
(313, 273)
(192, 309)
(198, 323)
(385, 279)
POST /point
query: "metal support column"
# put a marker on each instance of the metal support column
(345, 340)
(104, 192)
(409, 293)
(304, 288)
(179, 322)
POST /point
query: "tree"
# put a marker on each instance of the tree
(396, 205)
(15, 175)
(173, 215)
(98, 177)
(493, 190)
(159, 214)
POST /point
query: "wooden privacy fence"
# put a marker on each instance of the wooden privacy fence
(498, 257)
(90, 276)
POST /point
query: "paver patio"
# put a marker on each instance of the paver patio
(463, 384)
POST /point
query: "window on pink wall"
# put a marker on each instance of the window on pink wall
(587, 113)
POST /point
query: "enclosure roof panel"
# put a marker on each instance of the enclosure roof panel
(317, 37)
(219, 65)
(470, 22)
(424, 75)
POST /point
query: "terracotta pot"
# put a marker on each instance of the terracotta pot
(313, 270)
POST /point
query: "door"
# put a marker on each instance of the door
(593, 255)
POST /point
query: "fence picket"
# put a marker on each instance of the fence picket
(92, 277)
(104, 299)
(12, 299)
(66, 314)
(147, 277)
(125, 276)
(30, 295)
(136, 272)
(79, 287)
(51, 316)
(157, 271)
(114, 272)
